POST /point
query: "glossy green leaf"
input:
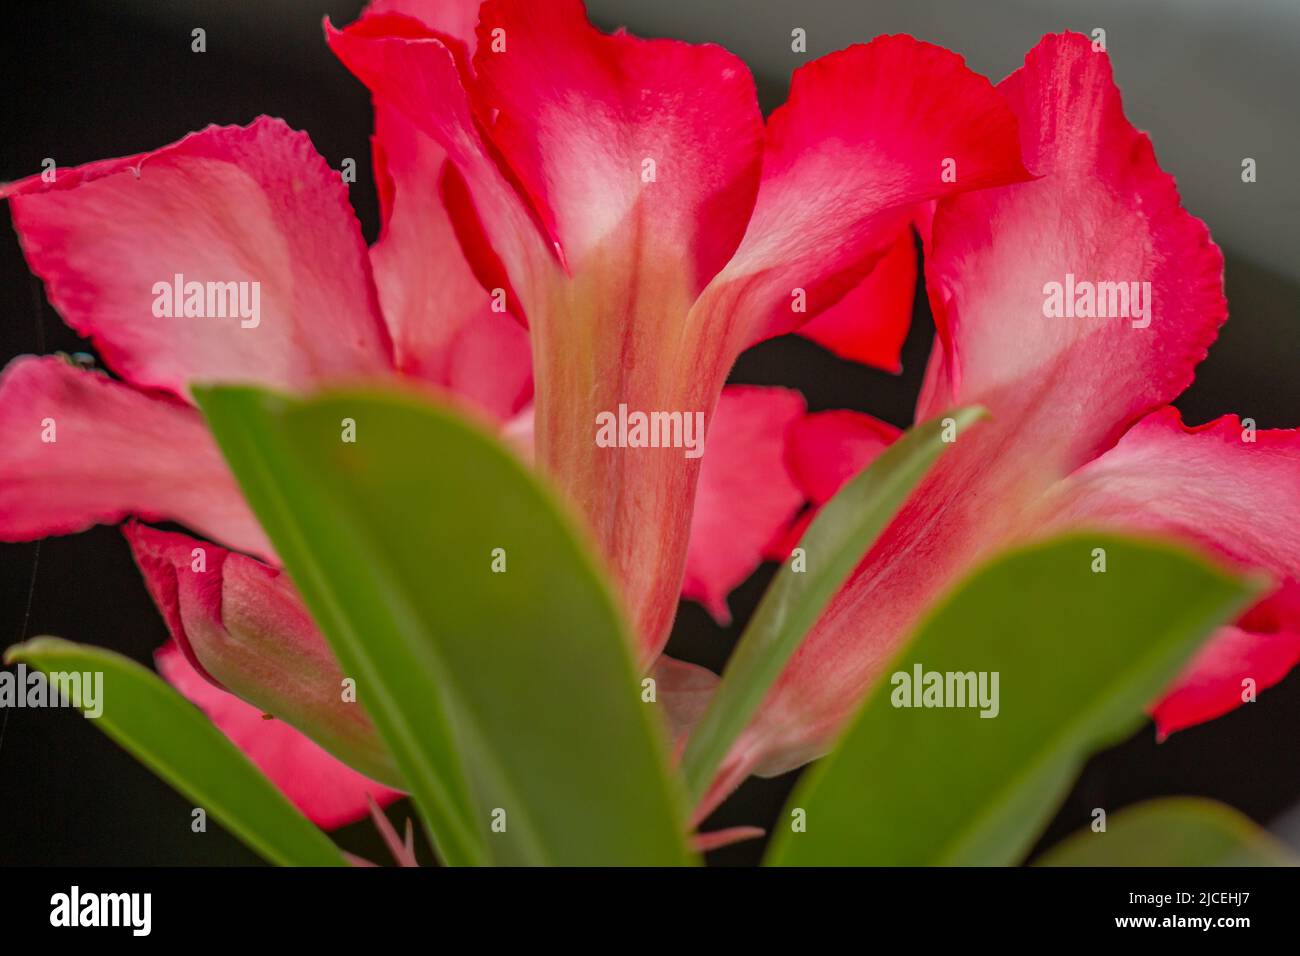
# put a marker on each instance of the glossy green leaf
(1175, 831)
(833, 545)
(179, 743)
(516, 692)
(1077, 656)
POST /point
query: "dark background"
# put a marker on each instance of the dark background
(85, 81)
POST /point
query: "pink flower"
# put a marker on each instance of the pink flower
(1080, 435)
(627, 200)
(257, 204)
(531, 180)
(576, 223)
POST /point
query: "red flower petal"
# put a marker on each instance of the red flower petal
(489, 362)
(455, 18)
(683, 690)
(1234, 498)
(227, 204)
(583, 115)
(444, 329)
(1214, 682)
(1104, 211)
(117, 452)
(829, 448)
(745, 492)
(242, 626)
(717, 839)
(426, 287)
(826, 449)
(330, 793)
(869, 325)
(863, 137)
(1059, 389)
(442, 321)
(422, 74)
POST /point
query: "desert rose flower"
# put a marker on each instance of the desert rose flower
(630, 205)
(1080, 432)
(251, 219)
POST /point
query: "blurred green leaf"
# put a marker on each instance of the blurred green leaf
(1176, 831)
(522, 682)
(834, 545)
(179, 743)
(1078, 655)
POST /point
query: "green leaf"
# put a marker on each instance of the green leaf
(1176, 831)
(512, 691)
(834, 544)
(360, 614)
(1078, 655)
(179, 743)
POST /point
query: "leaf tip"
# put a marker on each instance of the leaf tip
(26, 650)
